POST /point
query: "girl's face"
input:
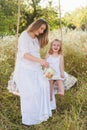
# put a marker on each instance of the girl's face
(55, 46)
(40, 30)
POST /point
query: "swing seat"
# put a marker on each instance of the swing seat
(12, 87)
(68, 83)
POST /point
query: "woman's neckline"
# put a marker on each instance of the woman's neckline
(30, 35)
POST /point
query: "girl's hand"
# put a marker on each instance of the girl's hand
(62, 75)
(44, 63)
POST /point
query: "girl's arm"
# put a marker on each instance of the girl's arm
(36, 59)
(62, 66)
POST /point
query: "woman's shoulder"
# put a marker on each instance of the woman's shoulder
(24, 37)
(23, 34)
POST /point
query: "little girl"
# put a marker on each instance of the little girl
(56, 62)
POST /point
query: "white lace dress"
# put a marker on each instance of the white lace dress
(54, 63)
(68, 79)
(33, 86)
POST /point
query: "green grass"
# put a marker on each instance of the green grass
(71, 112)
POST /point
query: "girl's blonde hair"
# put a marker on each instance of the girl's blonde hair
(60, 50)
(43, 38)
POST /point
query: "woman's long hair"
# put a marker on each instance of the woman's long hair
(60, 50)
(43, 38)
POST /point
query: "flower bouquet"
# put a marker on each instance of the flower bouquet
(49, 73)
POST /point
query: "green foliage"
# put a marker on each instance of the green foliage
(80, 19)
(30, 10)
(8, 16)
(77, 19)
(52, 17)
(33, 11)
(71, 112)
(67, 21)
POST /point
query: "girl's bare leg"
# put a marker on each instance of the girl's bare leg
(51, 89)
(60, 87)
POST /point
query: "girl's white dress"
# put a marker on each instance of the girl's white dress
(32, 85)
(54, 63)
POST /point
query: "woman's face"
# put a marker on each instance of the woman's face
(40, 30)
(55, 46)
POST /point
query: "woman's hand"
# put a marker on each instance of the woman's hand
(36, 59)
(44, 63)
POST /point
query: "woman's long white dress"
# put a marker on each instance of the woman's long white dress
(33, 86)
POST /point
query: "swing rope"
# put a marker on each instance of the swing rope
(17, 34)
(18, 23)
(60, 21)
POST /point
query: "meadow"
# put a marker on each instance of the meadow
(71, 112)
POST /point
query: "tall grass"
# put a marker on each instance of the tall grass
(71, 112)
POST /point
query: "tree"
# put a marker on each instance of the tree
(67, 21)
(79, 18)
(32, 10)
(8, 16)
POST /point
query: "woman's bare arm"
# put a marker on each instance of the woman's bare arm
(36, 59)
